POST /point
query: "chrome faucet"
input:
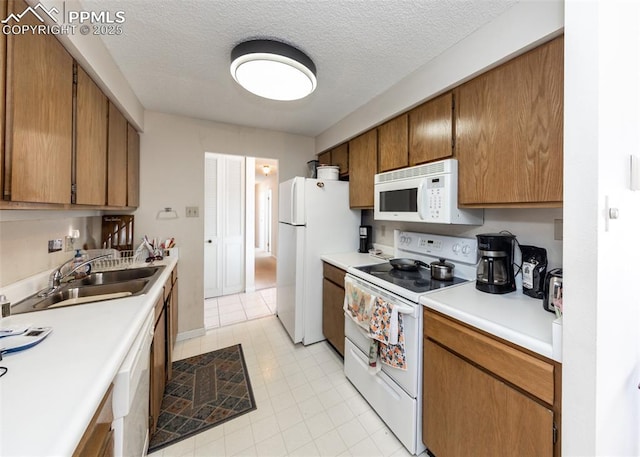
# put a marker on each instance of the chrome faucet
(56, 277)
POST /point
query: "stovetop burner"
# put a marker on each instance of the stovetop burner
(416, 281)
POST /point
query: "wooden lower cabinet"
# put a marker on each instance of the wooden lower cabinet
(158, 366)
(171, 310)
(332, 302)
(97, 440)
(469, 411)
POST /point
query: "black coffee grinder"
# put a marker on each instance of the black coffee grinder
(495, 271)
(365, 238)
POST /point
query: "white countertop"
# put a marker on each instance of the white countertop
(514, 317)
(344, 260)
(51, 391)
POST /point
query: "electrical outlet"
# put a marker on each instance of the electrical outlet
(55, 245)
(557, 229)
(68, 243)
(192, 211)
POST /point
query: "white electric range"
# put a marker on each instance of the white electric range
(396, 394)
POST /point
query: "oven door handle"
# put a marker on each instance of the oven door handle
(404, 309)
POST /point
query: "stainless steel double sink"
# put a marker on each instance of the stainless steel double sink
(100, 286)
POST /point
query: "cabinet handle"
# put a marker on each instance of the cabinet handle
(209, 241)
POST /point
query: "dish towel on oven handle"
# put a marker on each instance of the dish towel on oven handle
(387, 328)
(382, 324)
(358, 304)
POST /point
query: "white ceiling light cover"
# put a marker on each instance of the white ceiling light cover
(273, 70)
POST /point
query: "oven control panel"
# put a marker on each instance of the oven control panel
(448, 247)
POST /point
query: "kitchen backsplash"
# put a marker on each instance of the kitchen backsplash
(533, 226)
(23, 241)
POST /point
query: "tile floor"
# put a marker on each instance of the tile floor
(305, 405)
(231, 309)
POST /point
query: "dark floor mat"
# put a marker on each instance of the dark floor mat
(206, 390)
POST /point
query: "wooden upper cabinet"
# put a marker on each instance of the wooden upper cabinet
(133, 167)
(393, 144)
(324, 158)
(3, 64)
(362, 169)
(431, 130)
(338, 156)
(117, 158)
(91, 142)
(509, 125)
(39, 116)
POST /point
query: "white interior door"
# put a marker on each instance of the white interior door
(224, 225)
(233, 225)
(212, 202)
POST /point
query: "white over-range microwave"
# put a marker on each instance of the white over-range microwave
(424, 193)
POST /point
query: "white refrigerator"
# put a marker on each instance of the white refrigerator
(314, 219)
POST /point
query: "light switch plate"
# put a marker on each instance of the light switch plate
(192, 211)
(68, 243)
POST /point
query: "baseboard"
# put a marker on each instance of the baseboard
(191, 334)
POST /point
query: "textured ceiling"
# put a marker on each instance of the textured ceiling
(175, 54)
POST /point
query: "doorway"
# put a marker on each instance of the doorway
(239, 265)
(265, 189)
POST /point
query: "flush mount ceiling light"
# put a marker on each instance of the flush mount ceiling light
(273, 70)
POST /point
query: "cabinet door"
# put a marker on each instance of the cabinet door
(333, 315)
(117, 167)
(91, 142)
(133, 167)
(168, 307)
(3, 64)
(39, 116)
(393, 144)
(363, 166)
(324, 158)
(431, 130)
(509, 131)
(158, 369)
(469, 412)
(173, 335)
(340, 157)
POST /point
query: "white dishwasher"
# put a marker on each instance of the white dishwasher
(131, 396)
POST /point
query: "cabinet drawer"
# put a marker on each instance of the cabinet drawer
(333, 274)
(523, 370)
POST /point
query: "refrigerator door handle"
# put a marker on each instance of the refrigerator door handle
(293, 202)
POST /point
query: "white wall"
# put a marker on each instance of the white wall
(171, 174)
(24, 237)
(601, 345)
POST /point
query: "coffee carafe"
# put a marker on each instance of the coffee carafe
(495, 271)
(365, 238)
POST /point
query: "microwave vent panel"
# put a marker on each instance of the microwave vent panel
(443, 166)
